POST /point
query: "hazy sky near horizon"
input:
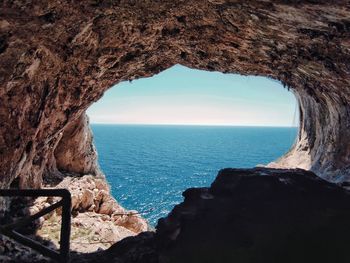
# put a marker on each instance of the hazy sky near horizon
(180, 95)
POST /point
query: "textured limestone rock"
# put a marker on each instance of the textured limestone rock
(247, 215)
(90, 232)
(80, 156)
(91, 194)
(58, 57)
(87, 199)
(98, 220)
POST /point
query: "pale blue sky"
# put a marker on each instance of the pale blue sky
(180, 95)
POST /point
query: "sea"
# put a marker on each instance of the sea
(149, 166)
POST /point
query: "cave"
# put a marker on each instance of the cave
(57, 58)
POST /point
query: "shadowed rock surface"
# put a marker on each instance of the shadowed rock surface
(247, 215)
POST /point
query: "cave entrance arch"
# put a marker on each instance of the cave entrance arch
(84, 50)
(59, 57)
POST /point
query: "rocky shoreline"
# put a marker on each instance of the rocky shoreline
(98, 220)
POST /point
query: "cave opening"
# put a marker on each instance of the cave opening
(59, 57)
(158, 136)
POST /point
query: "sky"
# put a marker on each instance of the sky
(180, 95)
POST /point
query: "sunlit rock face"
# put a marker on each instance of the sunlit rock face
(58, 57)
(81, 155)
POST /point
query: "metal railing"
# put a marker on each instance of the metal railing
(9, 230)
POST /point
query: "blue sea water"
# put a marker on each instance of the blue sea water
(149, 166)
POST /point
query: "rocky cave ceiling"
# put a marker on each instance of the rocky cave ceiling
(58, 57)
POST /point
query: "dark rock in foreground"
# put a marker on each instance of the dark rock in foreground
(247, 215)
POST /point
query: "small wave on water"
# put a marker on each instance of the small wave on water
(148, 167)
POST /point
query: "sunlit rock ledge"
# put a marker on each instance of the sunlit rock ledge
(98, 221)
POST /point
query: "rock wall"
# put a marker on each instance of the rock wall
(80, 156)
(58, 57)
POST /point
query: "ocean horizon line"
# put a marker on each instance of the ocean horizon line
(191, 124)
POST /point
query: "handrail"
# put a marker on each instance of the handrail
(9, 230)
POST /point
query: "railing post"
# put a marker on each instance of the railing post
(65, 227)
